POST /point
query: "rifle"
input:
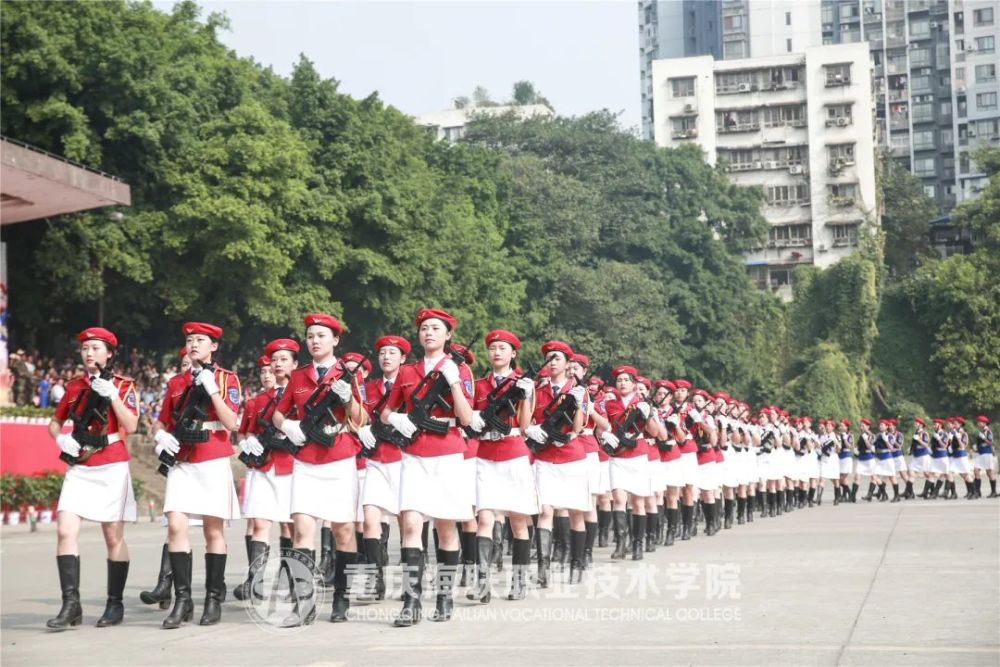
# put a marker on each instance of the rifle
(556, 414)
(436, 388)
(317, 423)
(376, 422)
(270, 437)
(191, 412)
(501, 403)
(95, 409)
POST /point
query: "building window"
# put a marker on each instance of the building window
(838, 75)
(842, 194)
(779, 277)
(683, 127)
(788, 45)
(849, 11)
(947, 138)
(788, 18)
(826, 15)
(923, 140)
(787, 195)
(986, 73)
(982, 16)
(964, 164)
(733, 49)
(732, 23)
(988, 129)
(920, 28)
(920, 58)
(985, 44)
(784, 236)
(924, 166)
(929, 190)
(986, 101)
(837, 111)
(945, 108)
(743, 159)
(682, 87)
(843, 152)
(942, 55)
(793, 114)
(737, 120)
(920, 83)
(923, 113)
(845, 235)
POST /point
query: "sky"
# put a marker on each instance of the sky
(419, 56)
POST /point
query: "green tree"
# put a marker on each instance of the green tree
(906, 220)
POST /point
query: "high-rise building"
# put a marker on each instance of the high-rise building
(799, 126)
(934, 65)
(449, 124)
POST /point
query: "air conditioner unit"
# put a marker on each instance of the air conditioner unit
(689, 108)
(842, 121)
(795, 169)
(959, 89)
(743, 87)
(755, 164)
(971, 133)
(821, 247)
(770, 164)
(847, 163)
(830, 122)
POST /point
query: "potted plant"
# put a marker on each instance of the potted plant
(15, 496)
(6, 491)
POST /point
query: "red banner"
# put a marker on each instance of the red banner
(27, 449)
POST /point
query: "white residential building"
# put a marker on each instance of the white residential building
(450, 123)
(799, 126)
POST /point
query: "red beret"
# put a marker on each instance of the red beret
(701, 392)
(503, 336)
(182, 353)
(394, 341)
(98, 333)
(324, 320)
(645, 382)
(263, 360)
(939, 422)
(430, 313)
(357, 359)
(866, 421)
(595, 382)
(202, 328)
(682, 384)
(281, 344)
(581, 359)
(960, 419)
(557, 346)
(664, 384)
(721, 394)
(465, 352)
(624, 370)
(920, 421)
(744, 406)
(847, 422)
(983, 419)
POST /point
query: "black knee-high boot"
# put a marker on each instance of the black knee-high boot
(413, 578)
(590, 536)
(729, 505)
(652, 527)
(751, 502)
(638, 533)
(71, 613)
(114, 610)
(255, 559)
(741, 508)
(621, 534)
(376, 563)
(544, 546)
(180, 565)
(161, 593)
(687, 518)
(467, 544)
(871, 491)
(326, 551)
(444, 583)
(577, 540)
(345, 560)
(480, 589)
(560, 541)
(603, 527)
(215, 582)
(497, 556)
(673, 519)
(521, 559)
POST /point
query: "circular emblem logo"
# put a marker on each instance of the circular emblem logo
(285, 591)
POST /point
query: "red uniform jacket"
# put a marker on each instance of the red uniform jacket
(256, 411)
(572, 450)
(616, 415)
(76, 397)
(401, 397)
(374, 391)
(218, 445)
(510, 447)
(301, 386)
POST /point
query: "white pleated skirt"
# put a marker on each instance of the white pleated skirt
(267, 495)
(730, 468)
(594, 473)
(748, 469)
(984, 462)
(98, 493)
(506, 486)
(899, 463)
(865, 467)
(563, 485)
(959, 465)
(940, 465)
(689, 468)
(435, 486)
(708, 476)
(202, 489)
(381, 487)
(327, 491)
(830, 467)
(920, 464)
(885, 467)
(359, 509)
(673, 473)
(631, 475)
(605, 486)
(845, 465)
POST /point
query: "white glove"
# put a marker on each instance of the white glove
(166, 442)
(610, 439)
(206, 378)
(694, 415)
(342, 389)
(105, 388)
(68, 444)
(536, 433)
(293, 429)
(477, 423)
(578, 393)
(401, 422)
(644, 408)
(674, 420)
(450, 372)
(366, 437)
(527, 385)
(251, 445)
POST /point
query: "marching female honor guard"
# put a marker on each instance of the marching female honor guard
(268, 484)
(192, 439)
(436, 393)
(97, 486)
(504, 478)
(984, 457)
(324, 475)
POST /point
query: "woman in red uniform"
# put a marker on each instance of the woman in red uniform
(200, 483)
(654, 501)
(504, 478)
(600, 489)
(324, 475)
(672, 474)
(267, 489)
(380, 496)
(432, 480)
(630, 482)
(560, 469)
(97, 486)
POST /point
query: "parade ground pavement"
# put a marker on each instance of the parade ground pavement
(915, 583)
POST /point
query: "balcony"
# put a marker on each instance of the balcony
(744, 166)
(842, 242)
(838, 164)
(895, 41)
(689, 133)
(898, 95)
(899, 122)
(840, 201)
(733, 128)
(833, 81)
(843, 121)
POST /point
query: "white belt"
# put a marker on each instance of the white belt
(494, 436)
(587, 431)
(450, 422)
(212, 426)
(113, 438)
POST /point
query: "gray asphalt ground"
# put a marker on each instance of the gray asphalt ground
(914, 583)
